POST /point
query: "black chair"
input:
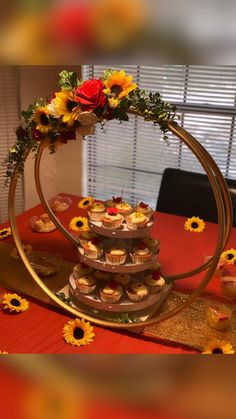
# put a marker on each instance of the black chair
(190, 194)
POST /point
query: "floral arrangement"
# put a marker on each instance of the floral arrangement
(77, 107)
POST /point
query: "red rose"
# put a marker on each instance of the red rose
(90, 95)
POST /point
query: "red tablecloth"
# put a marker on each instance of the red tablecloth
(39, 329)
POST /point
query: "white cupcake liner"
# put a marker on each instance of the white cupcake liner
(93, 254)
(96, 216)
(110, 298)
(135, 297)
(85, 289)
(115, 259)
(140, 259)
(113, 225)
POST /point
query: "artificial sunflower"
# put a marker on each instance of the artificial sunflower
(229, 256)
(14, 302)
(194, 224)
(78, 332)
(118, 86)
(220, 347)
(79, 224)
(66, 105)
(4, 233)
(42, 119)
(86, 202)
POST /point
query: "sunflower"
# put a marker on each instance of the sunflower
(14, 302)
(4, 233)
(229, 256)
(66, 105)
(118, 85)
(79, 224)
(86, 202)
(78, 332)
(42, 119)
(219, 347)
(194, 224)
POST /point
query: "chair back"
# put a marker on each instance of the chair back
(190, 194)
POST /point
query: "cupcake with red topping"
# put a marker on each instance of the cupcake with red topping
(81, 269)
(136, 220)
(137, 291)
(116, 256)
(218, 315)
(85, 284)
(155, 281)
(93, 249)
(112, 220)
(144, 209)
(97, 211)
(122, 279)
(112, 292)
(141, 253)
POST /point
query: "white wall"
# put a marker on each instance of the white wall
(60, 172)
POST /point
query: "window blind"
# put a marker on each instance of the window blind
(9, 117)
(128, 159)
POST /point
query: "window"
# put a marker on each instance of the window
(9, 117)
(128, 159)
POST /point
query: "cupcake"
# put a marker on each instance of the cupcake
(218, 315)
(112, 219)
(112, 202)
(101, 274)
(85, 284)
(124, 208)
(92, 249)
(116, 256)
(97, 211)
(85, 237)
(141, 253)
(136, 220)
(43, 224)
(81, 269)
(152, 244)
(137, 291)
(122, 279)
(111, 293)
(144, 209)
(155, 281)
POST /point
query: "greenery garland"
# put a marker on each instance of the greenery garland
(77, 107)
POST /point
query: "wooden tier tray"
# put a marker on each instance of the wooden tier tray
(128, 267)
(124, 305)
(122, 232)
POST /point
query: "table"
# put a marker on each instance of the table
(39, 329)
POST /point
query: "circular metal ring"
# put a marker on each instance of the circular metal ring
(224, 210)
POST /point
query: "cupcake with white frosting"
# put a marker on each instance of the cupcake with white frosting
(136, 220)
(137, 291)
(122, 279)
(93, 249)
(112, 219)
(155, 281)
(112, 292)
(81, 269)
(144, 209)
(85, 284)
(141, 253)
(116, 256)
(97, 211)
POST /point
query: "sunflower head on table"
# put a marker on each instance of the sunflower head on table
(14, 303)
(194, 224)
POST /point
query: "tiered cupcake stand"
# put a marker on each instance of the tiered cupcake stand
(126, 239)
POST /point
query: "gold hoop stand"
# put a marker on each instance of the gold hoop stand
(224, 210)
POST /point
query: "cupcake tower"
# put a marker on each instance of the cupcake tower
(117, 265)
